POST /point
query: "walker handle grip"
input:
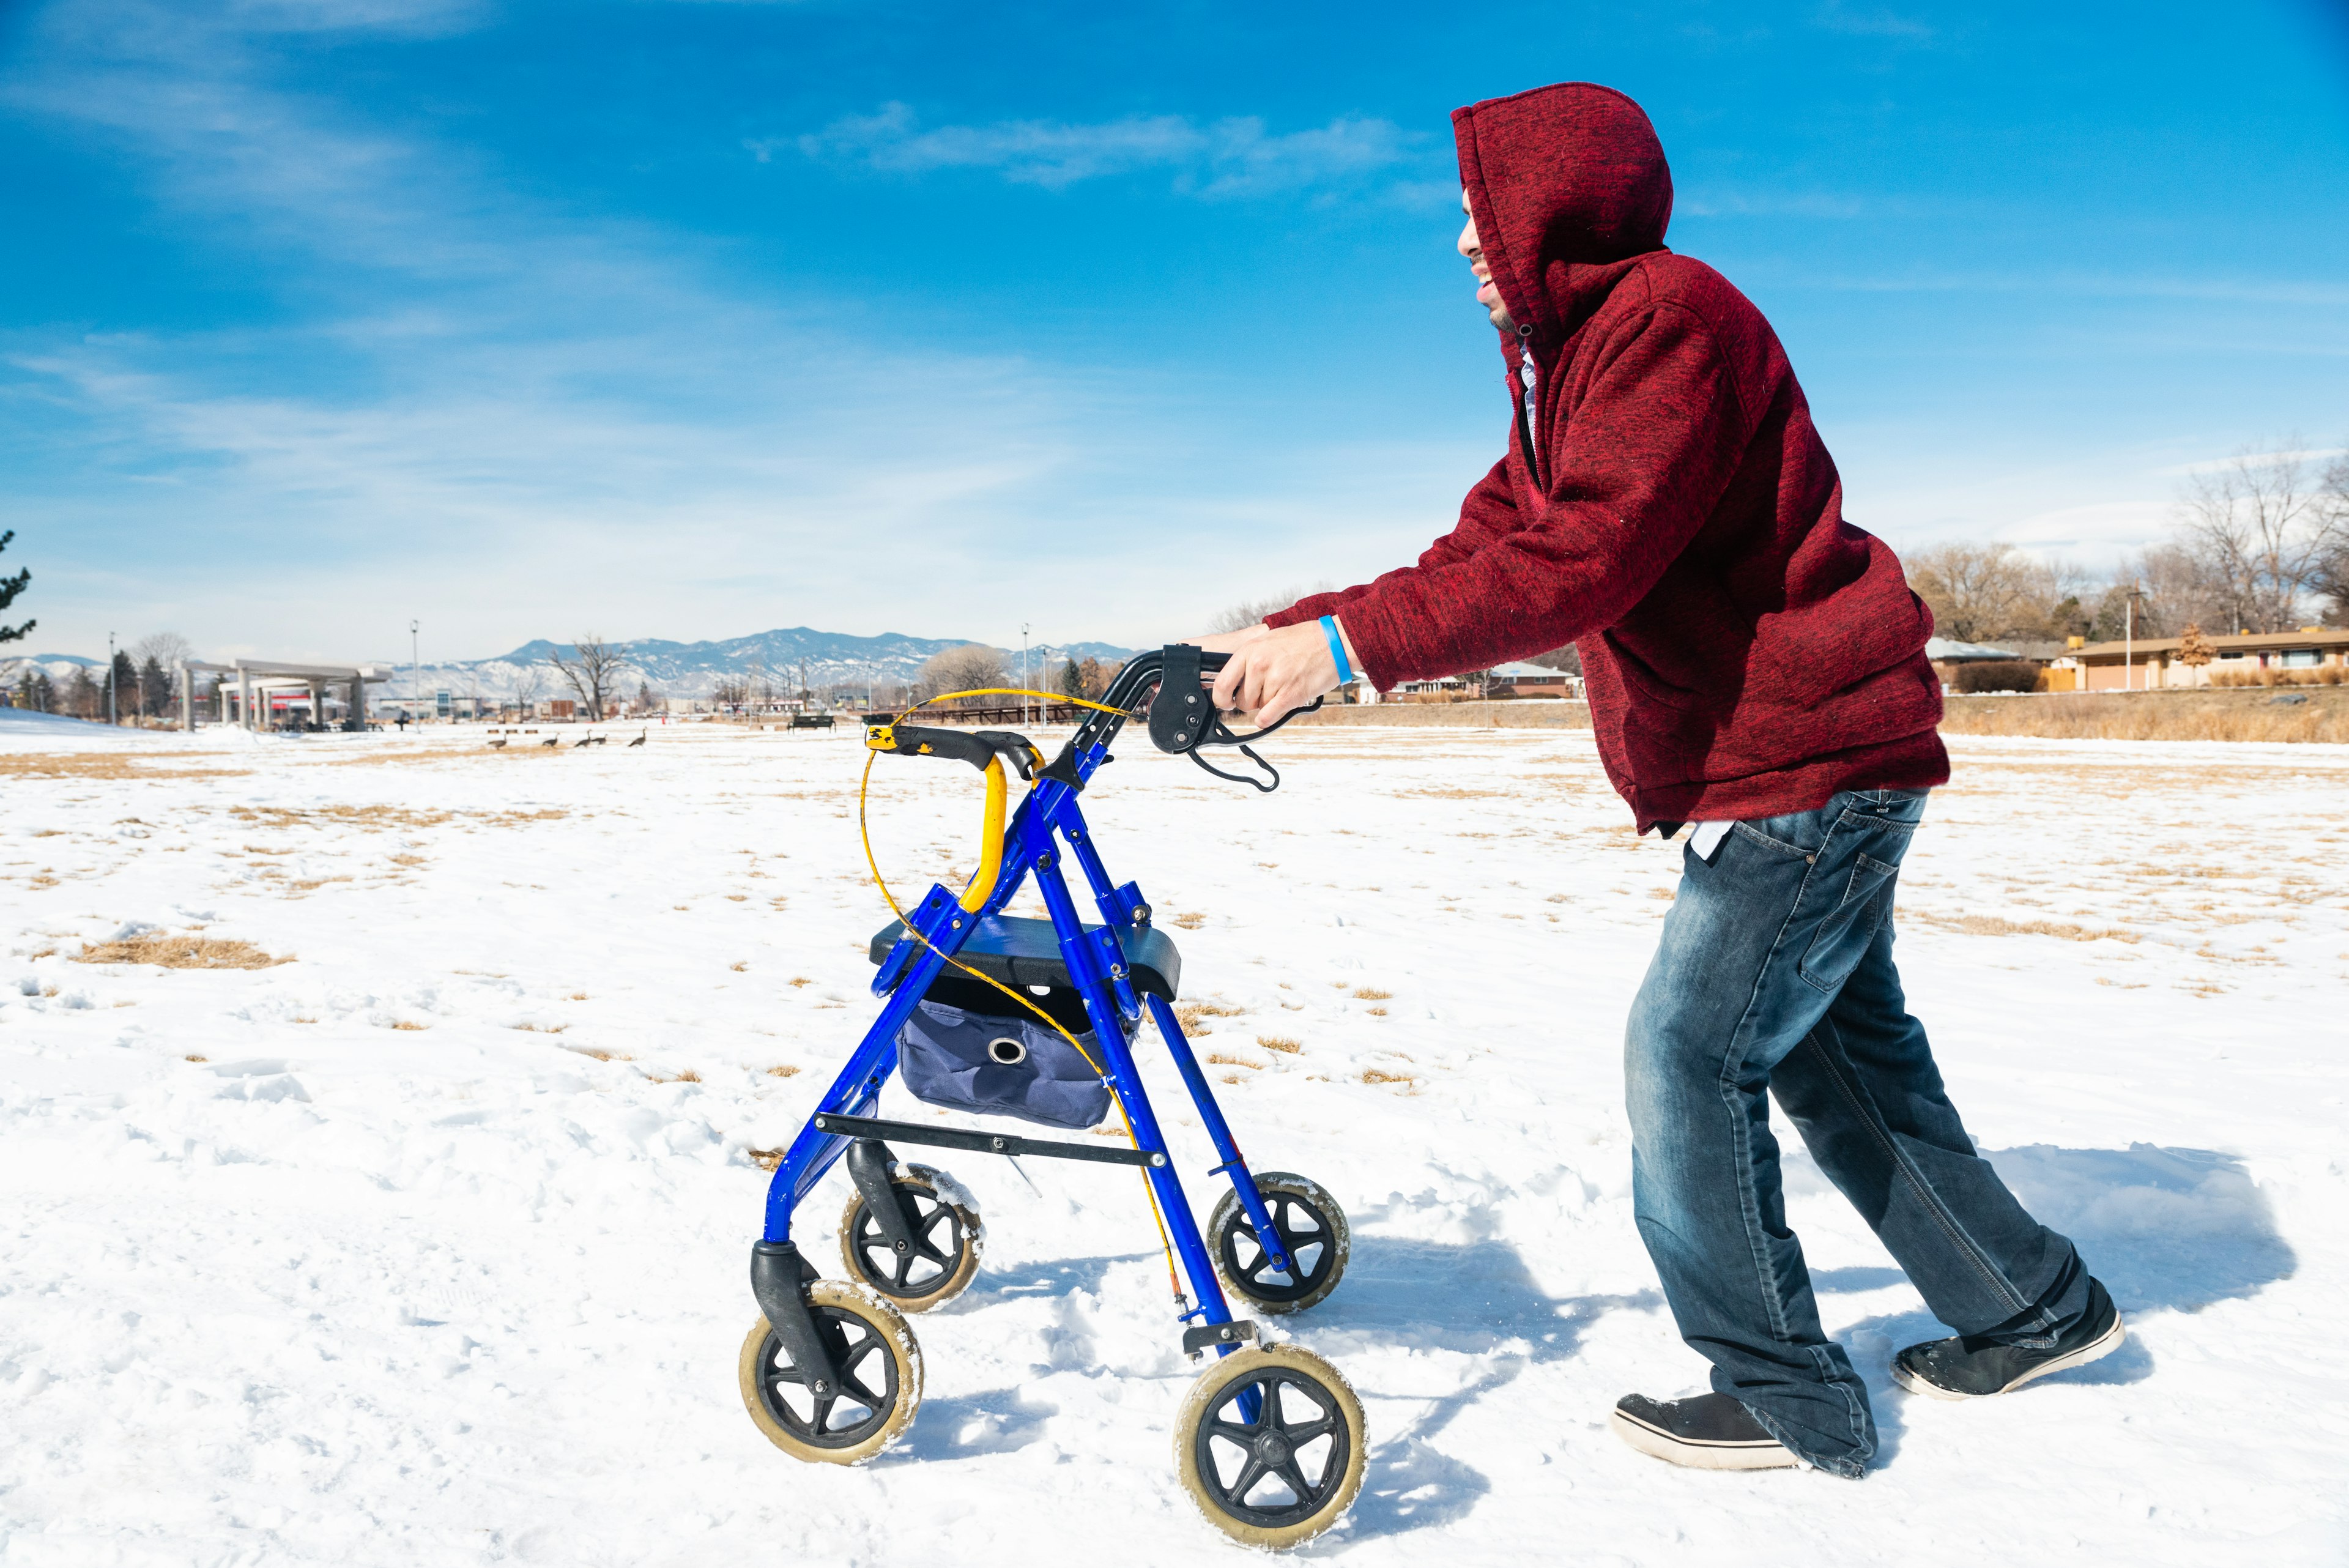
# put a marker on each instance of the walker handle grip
(977, 747)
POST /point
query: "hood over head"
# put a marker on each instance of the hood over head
(1563, 181)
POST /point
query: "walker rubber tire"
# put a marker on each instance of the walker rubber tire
(1302, 1482)
(1312, 1229)
(876, 1353)
(953, 1258)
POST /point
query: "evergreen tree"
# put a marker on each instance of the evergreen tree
(84, 697)
(126, 689)
(9, 589)
(154, 689)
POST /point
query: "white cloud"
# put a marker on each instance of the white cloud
(1224, 158)
(2219, 465)
(514, 421)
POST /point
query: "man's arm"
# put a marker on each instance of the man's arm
(1636, 471)
(1488, 512)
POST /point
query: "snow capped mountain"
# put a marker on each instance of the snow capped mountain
(688, 670)
(692, 670)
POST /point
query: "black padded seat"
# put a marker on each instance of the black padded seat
(1020, 950)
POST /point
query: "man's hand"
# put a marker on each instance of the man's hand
(1230, 641)
(1274, 673)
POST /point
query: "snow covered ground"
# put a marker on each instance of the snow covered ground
(428, 1246)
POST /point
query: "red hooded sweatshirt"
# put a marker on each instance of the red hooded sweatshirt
(1747, 652)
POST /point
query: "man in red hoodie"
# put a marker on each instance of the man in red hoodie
(1755, 665)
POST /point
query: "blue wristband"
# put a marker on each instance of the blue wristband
(1337, 648)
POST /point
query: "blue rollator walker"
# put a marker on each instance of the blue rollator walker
(1035, 1019)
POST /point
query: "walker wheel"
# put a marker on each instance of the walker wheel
(947, 1237)
(1270, 1444)
(1312, 1230)
(880, 1369)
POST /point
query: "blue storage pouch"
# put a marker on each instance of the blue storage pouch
(968, 1061)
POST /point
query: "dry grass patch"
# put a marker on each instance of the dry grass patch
(765, 1159)
(683, 1075)
(785, 1071)
(194, 1058)
(1371, 993)
(600, 1054)
(1280, 1043)
(101, 765)
(541, 1028)
(179, 952)
(1380, 1076)
(410, 1024)
(738, 968)
(1189, 1014)
(2150, 716)
(1190, 919)
(1998, 926)
(1221, 1059)
(365, 816)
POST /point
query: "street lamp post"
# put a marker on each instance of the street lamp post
(1024, 682)
(415, 674)
(113, 713)
(2128, 636)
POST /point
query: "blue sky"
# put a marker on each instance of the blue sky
(689, 319)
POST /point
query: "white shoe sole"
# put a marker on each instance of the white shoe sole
(2104, 1344)
(1763, 1455)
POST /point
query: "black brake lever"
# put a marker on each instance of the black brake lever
(1249, 753)
(1184, 718)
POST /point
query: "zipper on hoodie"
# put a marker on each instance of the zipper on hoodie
(1529, 404)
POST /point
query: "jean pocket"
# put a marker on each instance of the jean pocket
(1843, 936)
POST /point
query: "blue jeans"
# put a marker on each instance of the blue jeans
(1774, 976)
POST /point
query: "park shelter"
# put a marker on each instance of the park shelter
(260, 685)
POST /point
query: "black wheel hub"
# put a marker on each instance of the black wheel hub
(828, 1417)
(1285, 1463)
(923, 1268)
(1305, 1236)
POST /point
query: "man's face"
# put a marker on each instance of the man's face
(1486, 295)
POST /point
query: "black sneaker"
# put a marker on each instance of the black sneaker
(1967, 1368)
(1708, 1432)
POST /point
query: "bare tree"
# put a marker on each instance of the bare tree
(1249, 612)
(158, 657)
(971, 666)
(527, 686)
(2262, 524)
(168, 649)
(1978, 592)
(2333, 572)
(593, 669)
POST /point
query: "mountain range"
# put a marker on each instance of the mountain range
(689, 670)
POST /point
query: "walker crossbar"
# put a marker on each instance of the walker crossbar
(984, 1142)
